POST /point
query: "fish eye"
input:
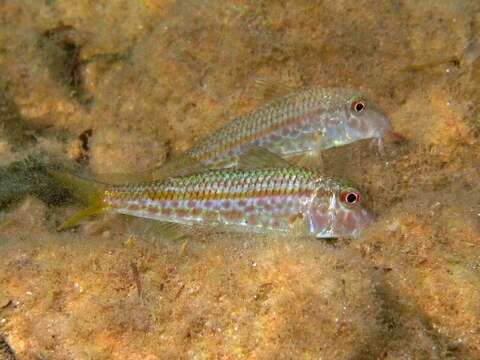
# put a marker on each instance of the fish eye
(359, 106)
(350, 198)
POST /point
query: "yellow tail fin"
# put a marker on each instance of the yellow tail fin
(87, 191)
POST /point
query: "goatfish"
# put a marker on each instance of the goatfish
(258, 200)
(296, 127)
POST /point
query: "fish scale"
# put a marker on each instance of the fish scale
(301, 123)
(251, 199)
(253, 125)
(228, 182)
(295, 128)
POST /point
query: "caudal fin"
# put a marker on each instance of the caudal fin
(87, 191)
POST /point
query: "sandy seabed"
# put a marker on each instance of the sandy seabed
(119, 86)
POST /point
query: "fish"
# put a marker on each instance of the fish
(286, 200)
(296, 127)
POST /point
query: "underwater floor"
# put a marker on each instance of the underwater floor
(119, 86)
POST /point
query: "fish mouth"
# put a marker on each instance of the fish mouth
(379, 122)
(382, 125)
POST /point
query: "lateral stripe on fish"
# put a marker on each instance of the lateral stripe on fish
(259, 200)
(262, 199)
(249, 136)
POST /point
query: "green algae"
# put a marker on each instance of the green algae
(30, 177)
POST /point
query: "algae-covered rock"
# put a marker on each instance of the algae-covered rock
(431, 253)
(119, 86)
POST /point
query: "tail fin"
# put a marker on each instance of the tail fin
(87, 191)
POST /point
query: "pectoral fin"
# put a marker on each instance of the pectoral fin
(308, 161)
(312, 158)
(298, 228)
(259, 157)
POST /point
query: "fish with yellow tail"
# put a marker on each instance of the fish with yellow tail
(260, 200)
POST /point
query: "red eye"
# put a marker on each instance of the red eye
(359, 106)
(350, 197)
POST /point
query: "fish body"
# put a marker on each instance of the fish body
(300, 124)
(251, 200)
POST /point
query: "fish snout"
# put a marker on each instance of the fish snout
(380, 123)
(363, 219)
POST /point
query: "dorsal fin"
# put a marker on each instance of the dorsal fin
(271, 90)
(178, 166)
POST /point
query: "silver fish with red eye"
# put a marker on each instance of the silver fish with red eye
(301, 123)
(251, 200)
(296, 127)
